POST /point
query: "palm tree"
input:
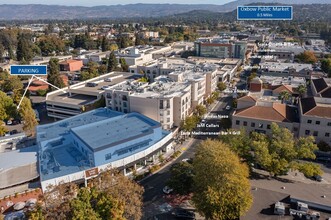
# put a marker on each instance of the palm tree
(302, 89)
(284, 96)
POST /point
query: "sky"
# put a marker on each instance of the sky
(111, 2)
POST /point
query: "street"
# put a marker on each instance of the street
(153, 185)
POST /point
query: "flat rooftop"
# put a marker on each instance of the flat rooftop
(114, 131)
(17, 158)
(53, 130)
(82, 94)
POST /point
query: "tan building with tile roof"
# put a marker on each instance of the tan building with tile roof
(260, 116)
(315, 118)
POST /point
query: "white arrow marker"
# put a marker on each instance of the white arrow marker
(33, 76)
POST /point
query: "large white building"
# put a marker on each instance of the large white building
(165, 100)
(78, 148)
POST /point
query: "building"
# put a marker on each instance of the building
(315, 118)
(71, 65)
(18, 163)
(75, 99)
(257, 116)
(220, 48)
(78, 148)
(165, 100)
(286, 69)
(321, 87)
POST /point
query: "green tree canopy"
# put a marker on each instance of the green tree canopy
(221, 86)
(307, 57)
(181, 179)
(221, 185)
(280, 152)
(53, 76)
(7, 107)
(200, 110)
(24, 48)
(112, 62)
(190, 123)
(28, 115)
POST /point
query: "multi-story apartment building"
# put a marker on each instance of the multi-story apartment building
(286, 69)
(165, 101)
(315, 118)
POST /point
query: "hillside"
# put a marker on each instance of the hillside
(35, 12)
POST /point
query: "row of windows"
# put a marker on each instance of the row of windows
(133, 147)
(315, 133)
(260, 125)
(317, 122)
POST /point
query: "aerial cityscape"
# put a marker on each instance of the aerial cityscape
(161, 110)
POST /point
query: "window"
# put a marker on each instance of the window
(237, 122)
(168, 119)
(260, 125)
(252, 124)
(268, 126)
(315, 133)
(318, 122)
(307, 132)
(108, 156)
(245, 123)
(327, 134)
(329, 123)
(309, 121)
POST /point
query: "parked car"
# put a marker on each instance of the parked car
(105, 87)
(228, 107)
(167, 190)
(13, 132)
(9, 122)
(318, 178)
(183, 213)
(108, 79)
(16, 122)
(91, 84)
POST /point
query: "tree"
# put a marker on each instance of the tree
(112, 62)
(307, 57)
(11, 84)
(3, 129)
(200, 110)
(24, 48)
(280, 152)
(284, 96)
(124, 66)
(104, 44)
(221, 86)
(302, 89)
(102, 69)
(190, 123)
(50, 44)
(239, 142)
(310, 169)
(7, 107)
(221, 185)
(181, 179)
(122, 189)
(326, 66)
(28, 115)
(53, 77)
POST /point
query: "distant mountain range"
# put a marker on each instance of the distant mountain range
(36, 12)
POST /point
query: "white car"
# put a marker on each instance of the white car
(185, 159)
(228, 107)
(167, 190)
(108, 79)
(105, 87)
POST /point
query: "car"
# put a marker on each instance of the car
(16, 122)
(167, 190)
(91, 84)
(13, 132)
(318, 178)
(184, 213)
(203, 120)
(105, 87)
(9, 122)
(108, 79)
(185, 159)
(228, 107)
